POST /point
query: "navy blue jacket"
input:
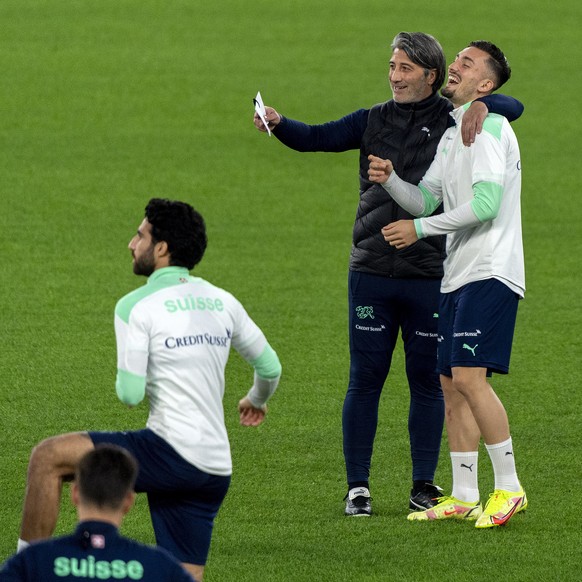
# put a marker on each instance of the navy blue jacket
(408, 134)
(95, 551)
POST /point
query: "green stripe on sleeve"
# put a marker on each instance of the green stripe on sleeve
(430, 202)
(267, 365)
(130, 387)
(487, 200)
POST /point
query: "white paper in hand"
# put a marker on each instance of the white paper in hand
(260, 109)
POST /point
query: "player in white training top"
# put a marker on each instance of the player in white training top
(174, 336)
(483, 281)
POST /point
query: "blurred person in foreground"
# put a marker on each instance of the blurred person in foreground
(484, 279)
(393, 291)
(103, 493)
(174, 336)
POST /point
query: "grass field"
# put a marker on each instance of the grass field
(105, 103)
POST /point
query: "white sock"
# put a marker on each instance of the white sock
(465, 485)
(503, 462)
(22, 545)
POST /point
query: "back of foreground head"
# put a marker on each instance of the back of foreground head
(425, 51)
(180, 227)
(105, 476)
(497, 61)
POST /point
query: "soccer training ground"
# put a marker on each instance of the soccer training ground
(106, 103)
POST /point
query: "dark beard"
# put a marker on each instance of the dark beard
(445, 93)
(145, 264)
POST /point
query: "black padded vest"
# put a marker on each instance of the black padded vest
(408, 135)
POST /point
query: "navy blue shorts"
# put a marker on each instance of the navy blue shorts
(183, 500)
(476, 325)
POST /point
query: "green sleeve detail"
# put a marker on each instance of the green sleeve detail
(493, 124)
(418, 227)
(487, 200)
(130, 387)
(267, 365)
(430, 202)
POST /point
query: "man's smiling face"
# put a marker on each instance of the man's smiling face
(469, 77)
(409, 82)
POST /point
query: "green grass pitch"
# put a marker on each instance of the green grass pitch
(105, 103)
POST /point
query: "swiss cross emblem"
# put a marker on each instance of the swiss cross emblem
(98, 541)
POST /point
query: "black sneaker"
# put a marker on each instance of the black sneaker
(425, 498)
(358, 502)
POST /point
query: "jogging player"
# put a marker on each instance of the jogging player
(174, 336)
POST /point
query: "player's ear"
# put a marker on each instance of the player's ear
(162, 248)
(487, 86)
(431, 77)
(128, 502)
(75, 494)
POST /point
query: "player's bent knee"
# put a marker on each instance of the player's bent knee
(59, 453)
(43, 453)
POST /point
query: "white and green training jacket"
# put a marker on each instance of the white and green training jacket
(174, 336)
(480, 187)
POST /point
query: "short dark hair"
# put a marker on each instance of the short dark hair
(181, 227)
(423, 50)
(105, 476)
(496, 61)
